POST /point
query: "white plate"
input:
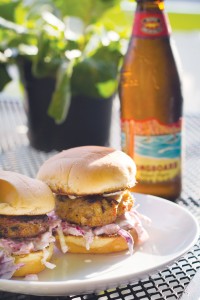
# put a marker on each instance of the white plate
(173, 232)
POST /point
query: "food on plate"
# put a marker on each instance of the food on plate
(91, 186)
(26, 239)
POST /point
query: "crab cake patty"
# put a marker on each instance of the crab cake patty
(22, 226)
(93, 211)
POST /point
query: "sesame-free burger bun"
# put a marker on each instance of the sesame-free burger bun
(101, 244)
(88, 170)
(21, 195)
(32, 262)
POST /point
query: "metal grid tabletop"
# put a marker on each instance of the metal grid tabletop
(17, 155)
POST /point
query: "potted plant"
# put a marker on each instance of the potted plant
(68, 54)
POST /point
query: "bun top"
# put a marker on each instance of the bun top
(88, 170)
(21, 195)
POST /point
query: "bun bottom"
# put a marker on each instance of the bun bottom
(100, 244)
(32, 262)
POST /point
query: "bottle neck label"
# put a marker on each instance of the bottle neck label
(151, 25)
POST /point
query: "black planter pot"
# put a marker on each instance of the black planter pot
(88, 121)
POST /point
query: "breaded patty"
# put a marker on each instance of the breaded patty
(22, 226)
(94, 210)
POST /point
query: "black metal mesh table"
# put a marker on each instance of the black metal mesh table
(17, 155)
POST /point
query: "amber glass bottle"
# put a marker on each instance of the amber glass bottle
(151, 103)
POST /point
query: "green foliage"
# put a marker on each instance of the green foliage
(83, 58)
(62, 96)
(89, 11)
(80, 43)
(184, 22)
(104, 58)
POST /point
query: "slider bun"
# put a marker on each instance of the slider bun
(32, 262)
(100, 245)
(21, 195)
(88, 170)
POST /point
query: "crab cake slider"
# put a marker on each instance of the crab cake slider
(93, 199)
(26, 238)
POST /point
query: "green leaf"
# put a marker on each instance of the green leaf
(4, 76)
(101, 66)
(61, 99)
(49, 57)
(87, 10)
(107, 88)
(39, 65)
(7, 9)
(117, 20)
(29, 12)
(8, 25)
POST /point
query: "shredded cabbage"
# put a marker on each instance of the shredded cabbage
(128, 238)
(44, 260)
(25, 246)
(63, 244)
(9, 247)
(123, 224)
(89, 237)
(7, 265)
(32, 277)
(108, 229)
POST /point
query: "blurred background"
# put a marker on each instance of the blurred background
(184, 16)
(185, 21)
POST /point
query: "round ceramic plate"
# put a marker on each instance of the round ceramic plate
(172, 233)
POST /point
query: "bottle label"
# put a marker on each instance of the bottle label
(151, 25)
(155, 148)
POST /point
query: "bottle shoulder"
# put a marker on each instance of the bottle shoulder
(149, 45)
(154, 52)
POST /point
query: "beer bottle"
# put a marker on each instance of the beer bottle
(151, 103)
